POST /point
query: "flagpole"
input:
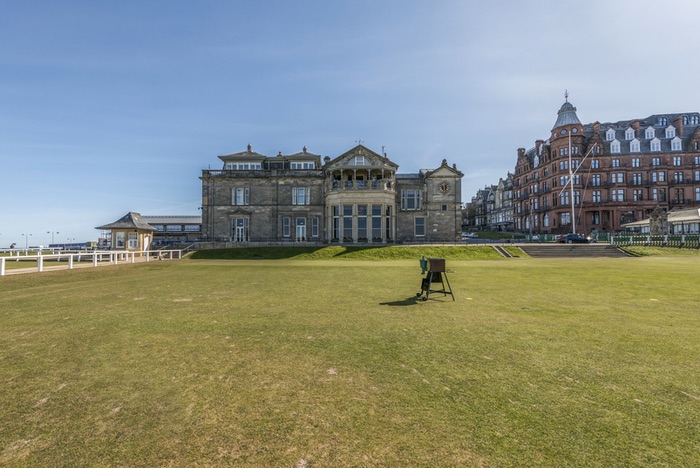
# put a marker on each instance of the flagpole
(571, 184)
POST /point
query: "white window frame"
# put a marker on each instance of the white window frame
(670, 131)
(133, 240)
(676, 144)
(301, 196)
(615, 146)
(635, 146)
(629, 134)
(655, 144)
(240, 196)
(610, 135)
(649, 133)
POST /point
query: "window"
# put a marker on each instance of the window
(629, 134)
(697, 159)
(242, 166)
(545, 220)
(656, 161)
(610, 135)
(656, 144)
(678, 177)
(595, 163)
(658, 194)
(697, 175)
(362, 222)
(563, 180)
(302, 165)
(595, 180)
(577, 197)
(410, 199)
(596, 217)
(563, 152)
(670, 131)
(663, 121)
(563, 165)
(658, 176)
(347, 223)
(336, 222)
(376, 222)
(697, 193)
(301, 196)
(574, 150)
(634, 146)
(694, 120)
(419, 227)
(359, 161)
(618, 195)
(679, 195)
(615, 147)
(637, 195)
(173, 227)
(133, 240)
(240, 196)
(676, 144)
(192, 228)
(677, 161)
(287, 226)
(565, 219)
(564, 198)
(615, 163)
(617, 177)
(649, 133)
(595, 196)
(637, 178)
(314, 227)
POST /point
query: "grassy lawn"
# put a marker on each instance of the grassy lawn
(332, 362)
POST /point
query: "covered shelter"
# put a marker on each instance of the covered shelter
(130, 233)
(677, 222)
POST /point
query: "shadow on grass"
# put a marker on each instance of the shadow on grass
(412, 300)
(279, 253)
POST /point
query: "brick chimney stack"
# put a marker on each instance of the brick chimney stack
(678, 123)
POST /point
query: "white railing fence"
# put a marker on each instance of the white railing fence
(94, 257)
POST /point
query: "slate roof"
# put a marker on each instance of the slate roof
(131, 220)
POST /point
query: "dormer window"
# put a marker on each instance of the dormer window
(634, 146)
(615, 146)
(359, 161)
(676, 144)
(649, 133)
(656, 144)
(694, 120)
(663, 121)
(670, 131)
(610, 135)
(629, 134)
(685, 120)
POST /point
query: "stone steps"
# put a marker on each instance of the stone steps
(572, 250)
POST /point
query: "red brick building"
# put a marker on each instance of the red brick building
(621, 171)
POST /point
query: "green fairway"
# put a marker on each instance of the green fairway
(556, 362)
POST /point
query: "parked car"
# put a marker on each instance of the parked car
(469, 235)
(573, 239)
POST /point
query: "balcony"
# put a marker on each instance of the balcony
(380, 185)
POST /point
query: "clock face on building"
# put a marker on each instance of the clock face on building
(444, 187)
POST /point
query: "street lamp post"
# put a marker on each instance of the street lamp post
(52, 235)
(26, 241)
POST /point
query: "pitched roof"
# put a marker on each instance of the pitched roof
(131, 220)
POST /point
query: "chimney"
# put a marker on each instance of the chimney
(596, 128)
(521, 152)
(538, 146)
(678, 123)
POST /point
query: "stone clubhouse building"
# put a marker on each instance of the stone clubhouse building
(357, 197)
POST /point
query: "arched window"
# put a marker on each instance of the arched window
(663, 121)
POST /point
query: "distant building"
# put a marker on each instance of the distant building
(621, 172)
(175, 229)
(356, 197)
(492, 208)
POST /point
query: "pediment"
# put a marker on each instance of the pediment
(446, 171)
(359, 153)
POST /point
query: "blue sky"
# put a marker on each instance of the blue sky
(109, 107)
